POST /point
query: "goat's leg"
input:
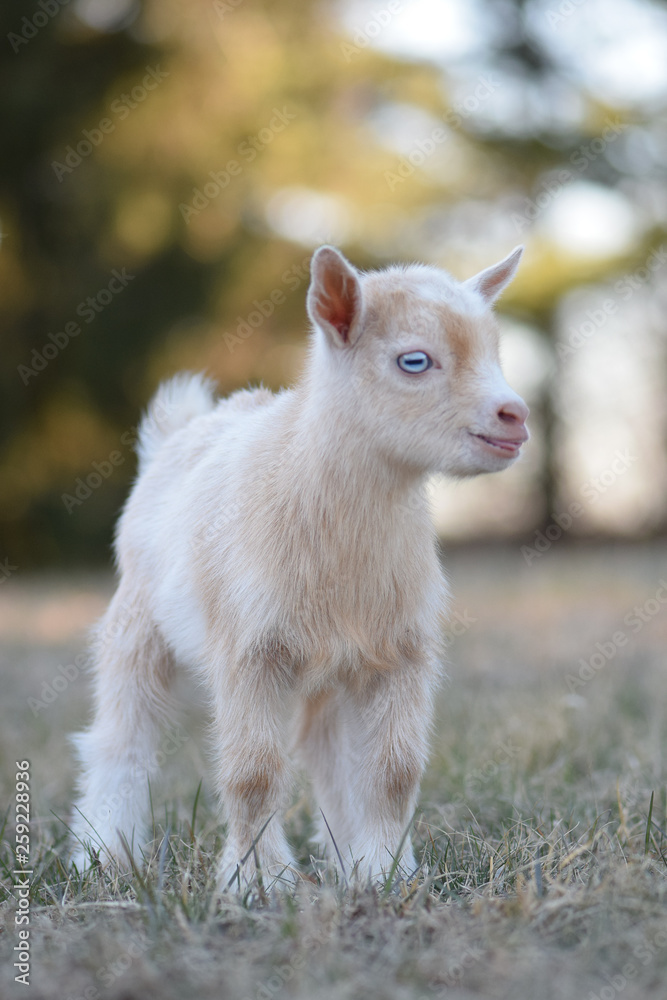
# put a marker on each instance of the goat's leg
(119, 752)
(387, 724)
(253, 778)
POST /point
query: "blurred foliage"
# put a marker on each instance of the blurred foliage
(119, 117)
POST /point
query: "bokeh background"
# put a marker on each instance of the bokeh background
(166, 169)
(168, 166)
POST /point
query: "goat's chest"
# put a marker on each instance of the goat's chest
(340, 626)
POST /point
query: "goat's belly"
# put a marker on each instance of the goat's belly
(181, 618)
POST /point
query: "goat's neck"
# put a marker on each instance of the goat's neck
(340, 465)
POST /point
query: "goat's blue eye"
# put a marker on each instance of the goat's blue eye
(415, 362)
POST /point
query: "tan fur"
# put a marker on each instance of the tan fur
(281, 546)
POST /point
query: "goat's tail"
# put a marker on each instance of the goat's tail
(174, 405)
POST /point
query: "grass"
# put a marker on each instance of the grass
(542, 821)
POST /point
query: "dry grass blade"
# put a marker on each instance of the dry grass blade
(541, 835)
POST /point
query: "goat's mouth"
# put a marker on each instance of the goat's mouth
(507, 447)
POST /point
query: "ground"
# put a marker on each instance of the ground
(542, 817)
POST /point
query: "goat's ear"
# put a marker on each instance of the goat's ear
(334, 297)
(492, 281)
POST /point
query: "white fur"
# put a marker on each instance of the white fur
(281, 547)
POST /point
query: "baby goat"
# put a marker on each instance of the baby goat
(282, 547)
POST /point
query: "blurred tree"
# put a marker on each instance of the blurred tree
(166, 170)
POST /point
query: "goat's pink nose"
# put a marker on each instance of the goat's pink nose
(514, 411)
